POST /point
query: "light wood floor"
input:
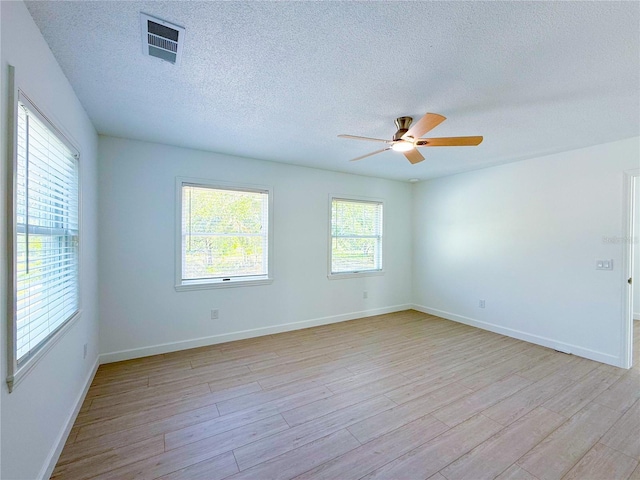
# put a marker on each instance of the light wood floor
(399, 396)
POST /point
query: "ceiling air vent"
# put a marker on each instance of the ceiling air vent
(161, 39)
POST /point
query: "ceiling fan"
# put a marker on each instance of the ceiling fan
(407, 138)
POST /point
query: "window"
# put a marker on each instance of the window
(224, 235)
(356, 236)
(45, 236)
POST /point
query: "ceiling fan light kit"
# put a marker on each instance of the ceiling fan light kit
(402, 146)
(407, 138)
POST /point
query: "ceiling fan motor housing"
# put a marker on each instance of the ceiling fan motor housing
(403, 124)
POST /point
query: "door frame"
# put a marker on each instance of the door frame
(631, 182)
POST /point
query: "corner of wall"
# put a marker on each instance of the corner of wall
(527, 337)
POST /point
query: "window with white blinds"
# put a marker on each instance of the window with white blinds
(46, 232)
(356, 236)
(224, 234)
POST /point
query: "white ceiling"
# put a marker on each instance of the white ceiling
(279, 80)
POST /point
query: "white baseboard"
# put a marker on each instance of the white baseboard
(54, 455)
(527, 337)
(241, 335)
(636, 316)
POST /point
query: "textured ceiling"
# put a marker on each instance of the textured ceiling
(279, 80)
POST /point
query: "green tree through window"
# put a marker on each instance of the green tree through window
(224, 233)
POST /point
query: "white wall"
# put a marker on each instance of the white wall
(140, 310)
(36, 414)
(525, 238)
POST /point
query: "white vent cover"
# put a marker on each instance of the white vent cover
(161, 39)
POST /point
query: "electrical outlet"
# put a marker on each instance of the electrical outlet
(365, 294)
(84, 352)
(214, 314)
(604, 264)
(481, 303)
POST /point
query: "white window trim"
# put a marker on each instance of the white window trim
(364, 273)
(206, 284)
(16, 374)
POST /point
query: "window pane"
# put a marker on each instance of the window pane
(354, 254)
(224, 233)
(356, 231)
(46, 237)
(209, 256)
(353, 218)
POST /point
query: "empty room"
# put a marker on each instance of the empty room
(230, 251)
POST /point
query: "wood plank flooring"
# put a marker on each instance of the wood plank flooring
(399, 396)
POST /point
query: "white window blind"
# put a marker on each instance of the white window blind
(225, 234)
(46, 232)
(356, 236)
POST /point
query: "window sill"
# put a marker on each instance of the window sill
(208, 284)
(24, 369)
(340, 276)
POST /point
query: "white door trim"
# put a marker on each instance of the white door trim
(627, 264)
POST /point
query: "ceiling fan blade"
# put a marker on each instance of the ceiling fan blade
(422, 126)
(369, 139)
(369, 154)
(449, 142)
(414, 156)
